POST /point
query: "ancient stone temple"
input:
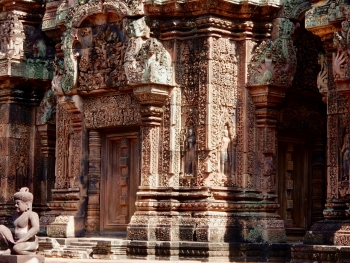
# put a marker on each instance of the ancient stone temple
(192, 129)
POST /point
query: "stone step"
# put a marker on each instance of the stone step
(77, 254)
(84, 248)
(110, 249)
(52, 253)
(82, 244)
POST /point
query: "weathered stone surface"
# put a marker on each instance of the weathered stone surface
(21, 259)
(197, 129)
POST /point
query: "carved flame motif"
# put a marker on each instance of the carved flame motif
(322, 77)
(274, 62)
(341, 64)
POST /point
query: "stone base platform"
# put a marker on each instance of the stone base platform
(209, 252)
(329, 232)
(320, 254)
(83, 248)
(21, 259)
(97, 249)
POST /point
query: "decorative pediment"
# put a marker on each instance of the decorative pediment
(295, 9)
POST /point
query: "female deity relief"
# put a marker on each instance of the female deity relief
(226, 154)
(189, 162)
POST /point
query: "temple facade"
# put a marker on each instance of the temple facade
(187, 129)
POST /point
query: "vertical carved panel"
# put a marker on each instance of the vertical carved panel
(332, 191)
(93, 209)
(75, 159)
(149, 161)
(62, 147)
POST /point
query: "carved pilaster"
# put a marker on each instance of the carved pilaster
(270, 73)
(266, 99)
(93, 208)
(69, 219)
(151, 97)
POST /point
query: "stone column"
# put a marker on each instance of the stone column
(71, 179)
(335, 86)
(92, 224)
(151, 97)
(270, 73)
(266, 99)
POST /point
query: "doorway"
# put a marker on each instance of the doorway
(120, 179)
(293, 163)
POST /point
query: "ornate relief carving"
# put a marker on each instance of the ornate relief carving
(12, 38)
(322, 77)
(294, 9)
(76, 15)
(274, 62)
(93, 208)
(100, 56)
(47, 109)
(190, 71)
(70, 76)
(111, 111)
(149, 161)
(146, 61)
(58, 75)
(302, 115)
(341, 64)
(62, 147)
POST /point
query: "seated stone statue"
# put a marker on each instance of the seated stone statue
(26, 223)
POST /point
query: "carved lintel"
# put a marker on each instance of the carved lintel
(48, 138)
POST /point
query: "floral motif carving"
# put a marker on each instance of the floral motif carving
(111, 111)
(63, 137)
